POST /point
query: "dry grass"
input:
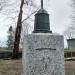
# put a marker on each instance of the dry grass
(10, 67)
(13, 67)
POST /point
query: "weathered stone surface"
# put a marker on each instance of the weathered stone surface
(43, 54)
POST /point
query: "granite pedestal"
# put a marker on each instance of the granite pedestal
(43, 54)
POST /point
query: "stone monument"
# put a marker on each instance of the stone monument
(43, 51)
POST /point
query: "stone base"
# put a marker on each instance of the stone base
(43, 54)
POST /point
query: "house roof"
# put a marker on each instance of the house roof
(70, 39)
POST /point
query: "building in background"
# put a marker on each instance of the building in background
(71, 44)
(70, 52)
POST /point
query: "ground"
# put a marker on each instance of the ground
(13, 67)
(70, 67)
(10, 67)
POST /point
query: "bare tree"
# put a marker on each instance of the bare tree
(19, 27)
(70, 31)
(12, 14)
(3, 3)
(18, 32)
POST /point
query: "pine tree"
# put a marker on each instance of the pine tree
(10, 40)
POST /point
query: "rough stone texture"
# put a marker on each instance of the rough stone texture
(43, 54)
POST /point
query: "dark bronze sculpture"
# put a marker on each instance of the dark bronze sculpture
(42, 23)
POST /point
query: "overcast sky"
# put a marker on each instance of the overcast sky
(59, 11)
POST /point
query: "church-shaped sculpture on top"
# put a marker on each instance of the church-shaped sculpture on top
(42, 22)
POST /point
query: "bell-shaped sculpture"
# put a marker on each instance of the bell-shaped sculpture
(42, 23)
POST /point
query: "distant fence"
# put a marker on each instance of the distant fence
(69, 54)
